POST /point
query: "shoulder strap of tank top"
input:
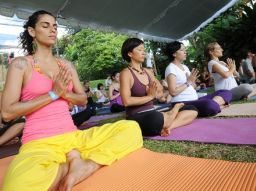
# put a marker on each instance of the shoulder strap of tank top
(133, 75)
(33, 64)
(149, 78)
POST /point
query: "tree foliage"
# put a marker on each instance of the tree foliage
(97, 53)
(94, 53)
(234, 30)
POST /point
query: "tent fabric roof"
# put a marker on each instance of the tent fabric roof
(162, 20)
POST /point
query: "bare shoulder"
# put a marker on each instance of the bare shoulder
(125, 74)
(125, 71)
(20, 63)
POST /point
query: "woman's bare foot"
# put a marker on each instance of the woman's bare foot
(79, 170)
(171, 116)
(224, 106)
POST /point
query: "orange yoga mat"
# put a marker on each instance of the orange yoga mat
(144, 170)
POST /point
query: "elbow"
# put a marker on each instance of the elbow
(6, 116)
(125, 103)
(173, 93)
(225, 76)
(83, 101)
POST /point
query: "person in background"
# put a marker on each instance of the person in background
(223, 73)
(254, 63)
(88, 92)
(101, 95)
(181, 84)
(206, 79)
(248, 71)
(55, 155)
(139, 88)
(166, 98)
(108, 81)
(116, 104)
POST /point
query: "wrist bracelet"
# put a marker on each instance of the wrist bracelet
(187, 84)
(53, 95)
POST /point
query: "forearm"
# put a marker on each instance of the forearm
(76, 98)
(19, 109)
(136, 101)
(178, 89)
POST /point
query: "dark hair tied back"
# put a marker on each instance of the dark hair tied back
(25, 39)
(171, 48)
(128, 45)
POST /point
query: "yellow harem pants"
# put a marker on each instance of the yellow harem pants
(37, 164)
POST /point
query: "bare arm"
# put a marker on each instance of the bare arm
(126, 82)
(217, 69)
(78, 96)
(12, 107)
(172, 86)
(110, 93)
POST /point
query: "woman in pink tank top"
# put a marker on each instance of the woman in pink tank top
(41, 87)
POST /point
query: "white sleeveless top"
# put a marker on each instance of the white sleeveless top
(221, 83)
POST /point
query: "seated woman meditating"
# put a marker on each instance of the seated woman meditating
(101, 95)
(181, 81)
(116, 104)
(139, 88)
(223, 73)
(54, 154)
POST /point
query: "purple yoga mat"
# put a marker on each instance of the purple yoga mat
(95, 120)
(230, 131)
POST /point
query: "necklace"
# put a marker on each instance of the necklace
(140, 72)
(35, 65)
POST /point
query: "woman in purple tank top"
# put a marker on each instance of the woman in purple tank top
(139, 87)
(116, 104)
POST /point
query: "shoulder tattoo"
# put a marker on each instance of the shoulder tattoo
(19, 63)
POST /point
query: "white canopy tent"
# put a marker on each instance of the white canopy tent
(161, 20)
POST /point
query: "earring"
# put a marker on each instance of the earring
(34, 46)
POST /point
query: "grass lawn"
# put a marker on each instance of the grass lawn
(238, 153)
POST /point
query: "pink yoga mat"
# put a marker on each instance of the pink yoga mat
(229, 131)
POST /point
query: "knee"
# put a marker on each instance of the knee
(247, 88)
(225, 94)
(211, 108)
(133, 128)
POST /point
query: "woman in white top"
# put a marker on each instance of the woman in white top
(181, 84)
(224, 73)
(101, 94)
